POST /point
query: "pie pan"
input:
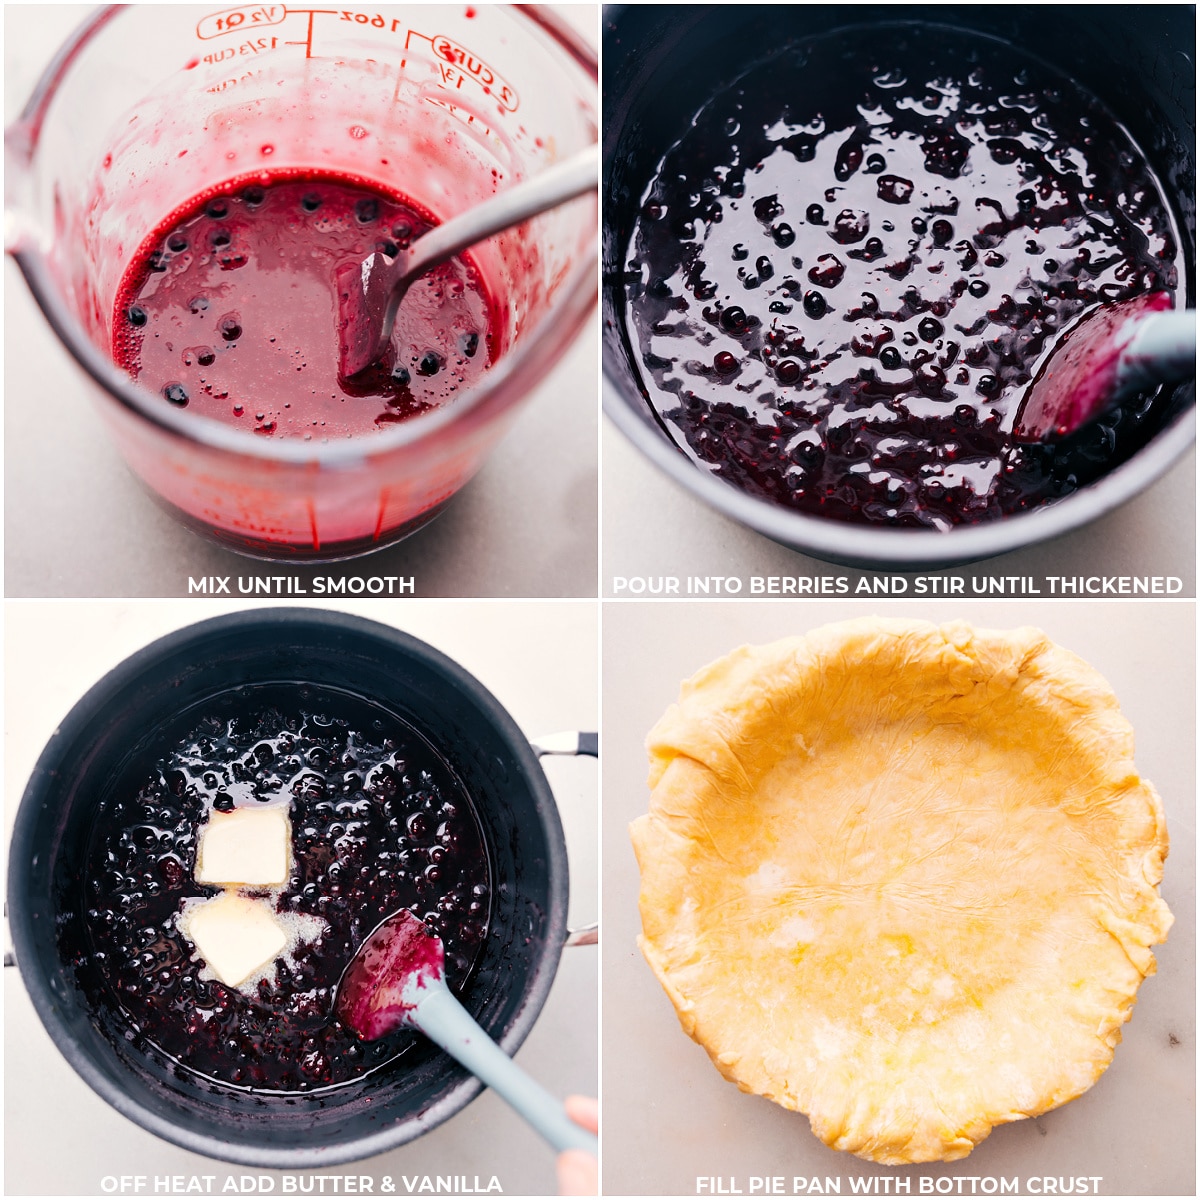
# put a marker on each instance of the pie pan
(902, 878)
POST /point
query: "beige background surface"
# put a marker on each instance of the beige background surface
(670, 1117)
(538, 658)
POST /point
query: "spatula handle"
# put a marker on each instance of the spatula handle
(1162, 350)
(548, 189)
(442, 1019)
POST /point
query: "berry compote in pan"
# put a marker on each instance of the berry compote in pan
(230, 310)
(849, 264)
(377, 822)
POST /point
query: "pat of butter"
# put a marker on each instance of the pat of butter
(236, 935)
(250, 847)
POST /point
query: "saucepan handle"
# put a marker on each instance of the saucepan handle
(573, 743)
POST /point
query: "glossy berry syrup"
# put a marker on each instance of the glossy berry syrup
(849, 264)
(230, 310)
(379, 823)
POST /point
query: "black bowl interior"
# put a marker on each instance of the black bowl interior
(87, 757)
(663, 63)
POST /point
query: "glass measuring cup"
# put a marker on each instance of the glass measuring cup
(150, 106)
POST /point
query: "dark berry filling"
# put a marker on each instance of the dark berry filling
(853, 258)
(249, 277)
(379, 823)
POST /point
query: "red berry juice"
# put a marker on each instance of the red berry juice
(229, 309)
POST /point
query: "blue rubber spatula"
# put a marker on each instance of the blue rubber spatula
(398, 978)
(369, 293)
(1103, 357)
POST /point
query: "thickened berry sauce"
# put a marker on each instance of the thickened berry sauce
(379, 823)
(230, 310)
(847, 268)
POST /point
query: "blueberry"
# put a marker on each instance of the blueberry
(814, 305)
(137, 316)
(430, 364)
(734, 319)
(366, 211)
(176, 393)
(217, 209)
(311, 202)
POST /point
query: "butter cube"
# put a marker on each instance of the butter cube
(251, 847)
(237, 936)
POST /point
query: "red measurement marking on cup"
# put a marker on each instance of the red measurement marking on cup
(459, 65)
(233, 20)
(247, 49)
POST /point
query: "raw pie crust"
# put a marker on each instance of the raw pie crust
(902, 878)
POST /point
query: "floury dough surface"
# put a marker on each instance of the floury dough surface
(942, 822)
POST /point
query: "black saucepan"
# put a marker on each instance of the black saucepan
(91, 748)
(662, 63)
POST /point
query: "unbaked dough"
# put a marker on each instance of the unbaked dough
(902, 877)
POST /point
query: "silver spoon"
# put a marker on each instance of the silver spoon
(1101, 358)
(397, 978)
(370, 293)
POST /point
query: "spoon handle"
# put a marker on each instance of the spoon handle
(548, 189)
(1162, 350)
(444, 1020)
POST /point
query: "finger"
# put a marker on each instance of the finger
(585, 1111)
(576, 1173)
